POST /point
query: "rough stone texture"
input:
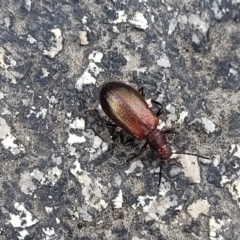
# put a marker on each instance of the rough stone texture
(61, 175)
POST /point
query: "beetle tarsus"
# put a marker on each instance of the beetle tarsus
(160, 107)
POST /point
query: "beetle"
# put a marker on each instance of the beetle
(129, 110)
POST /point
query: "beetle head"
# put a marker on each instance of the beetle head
(165, 151)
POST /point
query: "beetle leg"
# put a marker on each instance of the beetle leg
(127, 141)
(120, 135)
(141, 91)
(90, 110)
(170, 131)
(160, 107)
(113, 127)
(138, 154)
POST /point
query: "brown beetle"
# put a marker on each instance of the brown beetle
(128, 109)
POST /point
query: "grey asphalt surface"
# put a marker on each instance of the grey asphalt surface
(62, 175)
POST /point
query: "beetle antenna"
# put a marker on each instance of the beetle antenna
(191, 154)
(160, 172)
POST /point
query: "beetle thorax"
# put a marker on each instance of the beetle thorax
(157, 141)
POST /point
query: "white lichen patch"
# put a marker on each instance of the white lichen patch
(49, 231)
(23, 233)
(115, 29)
(27, 185)
(84, 20)
(97, 142)
(73, 138)
(164, 61)
(8, 22)
(149, 102)
(9, 142)
(198, 24)
(31, 39)
(95, 56)
(216, 160)
(236, 187)
(232, 184)
(118, 201)
(83, 211)
(233, 188)
(28, 4)
(195, 38)
(182, 116)
(217, 226)
(45, 72)
(172, 25)
(13, 75)
(92, 190)
(56, 159)
(201, 206)
(88, 76)
(78, 123)
(6, 61)
(52, 176)
(232, 72)
(73, 151)
(5, 111)
(118, 179)
(224, 180)
(52, 101)
(141, 201)
(208, 125)
(190, 167)
(155, 208)
(235, 2)
(4, 128)
(121, 17)
(57, 43)
(162, 125)
(172, 117)
(23, 219)
(2, 95)
(217, 11)
(235, 150)
(91, 72)
(175, 170)
(98, 145)
(26, 102)
(182, 19)
(165, 187)
(75, 214)
(133, 166)
(48, 210)
(42, 113)
(139, 21)
(135, 237)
